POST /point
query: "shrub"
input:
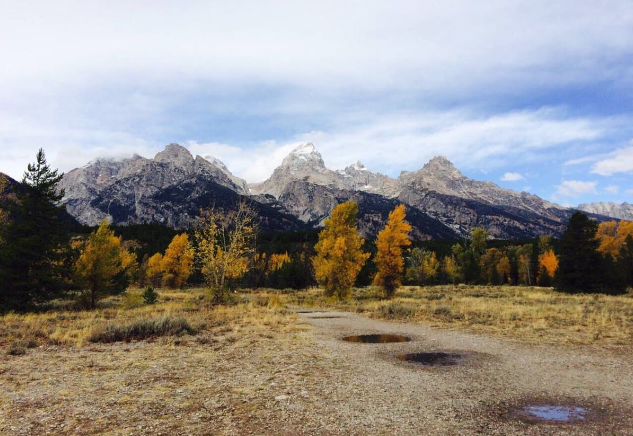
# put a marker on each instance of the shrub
(444, 311)
(396, 309)
(17, 348)
(142, 329)
(150, 296)
(432, 297)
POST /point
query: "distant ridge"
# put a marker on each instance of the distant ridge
(622, 211)
(171, 188)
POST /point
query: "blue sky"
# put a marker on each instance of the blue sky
(533, 95)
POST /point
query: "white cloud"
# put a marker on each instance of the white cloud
(619, 161)
(576, 188)
(580, 160)
(452, 45)
(629, 191)
(512, 177)
(388, 144)
(254, 164)
(612, 189)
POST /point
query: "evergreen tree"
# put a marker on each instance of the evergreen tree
(534, 264)
(625, 260)
(33, 239)
(579, 268)
(544, 278)
(514, 267)
(150, 296)
(613, 277)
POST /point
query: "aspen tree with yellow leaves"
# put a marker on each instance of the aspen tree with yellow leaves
(104, 267)
(177, 263)
(391, 242)
(154, 272)
(612, 236)
(549, 261)
(339, 257)
(225, 247)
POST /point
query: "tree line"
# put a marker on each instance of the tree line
(40, 260)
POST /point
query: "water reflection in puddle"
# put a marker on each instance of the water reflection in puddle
(376, 339)
(433, 359)
(555, 413)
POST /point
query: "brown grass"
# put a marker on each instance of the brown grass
(126, 318)
(539, 314)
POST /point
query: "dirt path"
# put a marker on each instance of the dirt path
(299, 378)
(478, 396)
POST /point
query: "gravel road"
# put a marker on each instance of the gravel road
(302, 379)
(481, 395)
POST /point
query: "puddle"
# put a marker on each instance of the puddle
(434, 359)
(376, 339)
(554, 413)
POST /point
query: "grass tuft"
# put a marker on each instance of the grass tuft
(142, 329)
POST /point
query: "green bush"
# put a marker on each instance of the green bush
(142, 329)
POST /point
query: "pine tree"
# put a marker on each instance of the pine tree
(150, 296)
(390, 244)
(339, 257)
(579, 268)
(33, 239)
(625, 260)
(544, 277)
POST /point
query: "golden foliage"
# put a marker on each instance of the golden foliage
(225, 245)
(451, 269)
(103, 259)
(177, 263)
(478, 240)
(488, 265)
(277, 261)
(503, 269)
(423, 267)
(612, 236)
(549, 261)
(154, 272)
(339, 257)
(390, 244)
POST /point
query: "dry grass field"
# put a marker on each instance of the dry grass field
(182, 366)
(126, 318)
(527, 313)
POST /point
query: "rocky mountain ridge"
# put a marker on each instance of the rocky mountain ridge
(622, 211)
(301, 192)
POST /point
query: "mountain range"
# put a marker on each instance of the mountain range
(442, 203)
(623, 211)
